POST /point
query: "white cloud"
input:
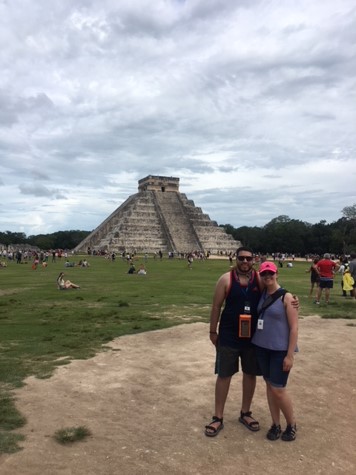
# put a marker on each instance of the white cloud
(250, 103)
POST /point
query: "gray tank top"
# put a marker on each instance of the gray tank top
(275, 332)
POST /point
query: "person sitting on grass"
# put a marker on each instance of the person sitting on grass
(65, 284)
(142, 270)
(132, 269)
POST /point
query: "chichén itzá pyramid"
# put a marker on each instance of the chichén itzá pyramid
(159, 217)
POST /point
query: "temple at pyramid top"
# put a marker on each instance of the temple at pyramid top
(159, 217)
(158, 183)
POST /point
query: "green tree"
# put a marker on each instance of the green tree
(349, 228)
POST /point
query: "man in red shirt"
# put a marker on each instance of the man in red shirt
(327, 269)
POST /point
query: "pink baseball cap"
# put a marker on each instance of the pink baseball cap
(268, 266)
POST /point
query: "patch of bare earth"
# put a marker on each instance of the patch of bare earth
(146, 402)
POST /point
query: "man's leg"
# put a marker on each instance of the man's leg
(222, 387)
(327, 295)
(248, 390)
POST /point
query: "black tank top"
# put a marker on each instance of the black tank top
(238, 295)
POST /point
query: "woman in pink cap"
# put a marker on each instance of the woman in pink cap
(276, 342)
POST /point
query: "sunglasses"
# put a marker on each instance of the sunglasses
(267, 273)
(244, 258)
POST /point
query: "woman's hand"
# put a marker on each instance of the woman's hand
(288, 363)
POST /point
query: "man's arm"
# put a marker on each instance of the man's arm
(218, 300)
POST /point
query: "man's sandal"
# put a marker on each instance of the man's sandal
(252, 425)
(211, 431)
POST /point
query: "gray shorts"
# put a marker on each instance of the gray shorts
(227, 361)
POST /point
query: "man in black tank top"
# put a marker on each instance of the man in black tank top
(240, 289)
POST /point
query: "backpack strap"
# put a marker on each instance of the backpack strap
(271, 299)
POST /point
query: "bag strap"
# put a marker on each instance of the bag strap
(272, 298)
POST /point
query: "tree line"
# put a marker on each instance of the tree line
(57, 240)
(286, 235)
(281, 234)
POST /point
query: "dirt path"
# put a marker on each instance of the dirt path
(147, 400)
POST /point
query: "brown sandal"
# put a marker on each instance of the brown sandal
(211, 431)
(253, 425)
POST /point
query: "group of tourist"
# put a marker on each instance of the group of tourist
(141, 271)
(259, 328)
(322, 273)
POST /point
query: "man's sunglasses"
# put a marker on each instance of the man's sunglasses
(244, 258)
(266, 273)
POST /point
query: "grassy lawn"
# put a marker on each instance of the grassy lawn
(42, 327)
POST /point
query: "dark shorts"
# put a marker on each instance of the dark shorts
(326, 283)
(271, 364)
(227, 361)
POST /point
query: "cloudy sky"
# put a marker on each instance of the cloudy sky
(252, 104)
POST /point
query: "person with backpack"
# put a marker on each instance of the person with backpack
(275, 340)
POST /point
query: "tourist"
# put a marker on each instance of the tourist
(344, 264)
(326, 268)
(276, 341)
(65, 284)
(240, 290)
(352, 267)
(132, 269)
(314, 276)
(348, 282)
(142, 270)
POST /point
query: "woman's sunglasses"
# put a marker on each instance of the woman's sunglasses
(266, 273)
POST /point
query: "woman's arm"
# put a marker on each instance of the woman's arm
(292, 317)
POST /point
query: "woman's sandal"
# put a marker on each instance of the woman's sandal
(253, 425)
(290, 433)
(211, 431)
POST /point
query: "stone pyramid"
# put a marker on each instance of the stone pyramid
(159, 217)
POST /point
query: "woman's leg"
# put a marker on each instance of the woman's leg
(273, 404)
(283, 402)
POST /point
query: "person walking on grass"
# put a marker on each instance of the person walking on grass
(314, 277)
(276, 341)
(326, 268)
(240, 290)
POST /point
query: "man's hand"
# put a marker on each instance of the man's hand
(214, 338)
(295, 302)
